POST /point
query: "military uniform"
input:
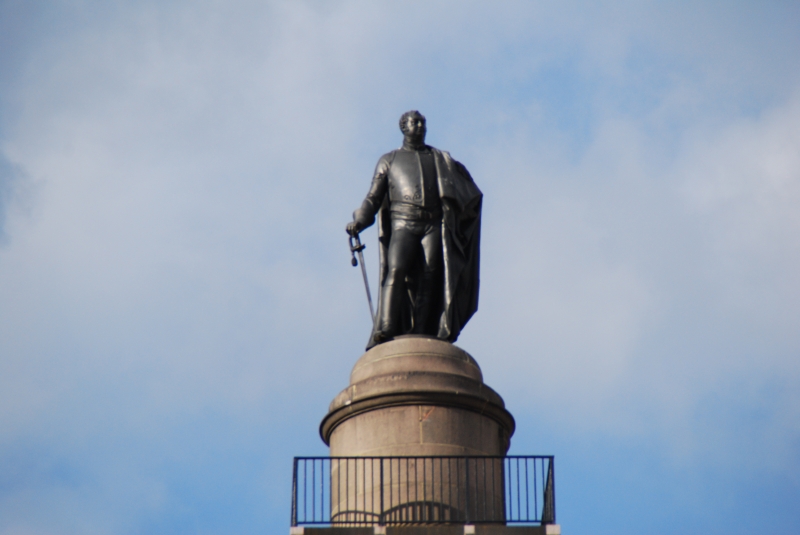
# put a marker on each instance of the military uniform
(428, 210)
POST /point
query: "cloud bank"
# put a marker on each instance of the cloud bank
(177, 307)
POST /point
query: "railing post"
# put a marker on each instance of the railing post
(294, 493)
(466, 490)
(381, 520)
(548, 508)
(313, 490)
(553, 487)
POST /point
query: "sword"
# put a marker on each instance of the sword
(357, 247)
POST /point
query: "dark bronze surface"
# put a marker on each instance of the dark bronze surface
(428, 210)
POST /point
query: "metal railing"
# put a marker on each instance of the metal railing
(357, 491)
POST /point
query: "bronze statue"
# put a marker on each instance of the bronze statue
(429, 220)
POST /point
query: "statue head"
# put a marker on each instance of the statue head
(412, 124)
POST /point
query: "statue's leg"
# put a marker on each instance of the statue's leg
(428, 308)
(403, 249)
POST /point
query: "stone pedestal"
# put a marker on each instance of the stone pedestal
(417, 396)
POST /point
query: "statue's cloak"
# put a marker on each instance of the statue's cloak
(461, 233)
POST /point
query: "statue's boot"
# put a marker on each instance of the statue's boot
(389, 313)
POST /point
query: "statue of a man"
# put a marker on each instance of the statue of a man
(429, 221)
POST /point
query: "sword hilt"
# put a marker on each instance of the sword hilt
(355, 247)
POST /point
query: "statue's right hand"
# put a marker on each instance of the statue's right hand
(353, 228)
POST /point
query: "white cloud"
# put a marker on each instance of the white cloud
(632, 298)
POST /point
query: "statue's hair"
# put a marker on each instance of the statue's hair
(405, 116)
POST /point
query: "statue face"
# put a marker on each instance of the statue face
(415, 127)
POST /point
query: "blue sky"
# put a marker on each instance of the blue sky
(177, 306)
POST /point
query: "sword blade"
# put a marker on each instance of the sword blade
(366, 285)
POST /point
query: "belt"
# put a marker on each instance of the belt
(404, 210)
